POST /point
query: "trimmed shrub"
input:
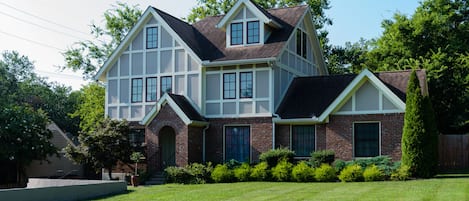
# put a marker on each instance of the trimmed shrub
(274, 156)
(243, 172)
(384, 163)
(195, 173)
(373, 173)
(222, 174)
(325, 173)
(260, 172)
(351, 173)
(322, 156)
(233, 164)
(302, 172)
(401, 174)
(339, 165)
(282, 171)
(176, 175)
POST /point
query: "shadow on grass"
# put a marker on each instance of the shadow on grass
(112, 195)
(464, 173)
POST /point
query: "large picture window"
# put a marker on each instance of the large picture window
(253, 32)
(245, 88)
(151, 89)
(166, 85)
(303, 140)
(237, 144)
(137, 88)
(152, 37)
(236, 33)
(229, 85)
(366, 139)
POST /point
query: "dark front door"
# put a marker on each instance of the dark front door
(167, 139)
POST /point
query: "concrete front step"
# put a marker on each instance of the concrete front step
(156, 179)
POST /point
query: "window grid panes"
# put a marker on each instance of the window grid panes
(137, 88)
(166, 85)
(303, 140)
(236, 33)
(237, 143)
(366, 139)
(151, 89)
(253, 32)
(229, 85)
(245, 88)
(301, 46)
(152, 37)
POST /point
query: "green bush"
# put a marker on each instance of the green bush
(322, 156)
(195, 173)
(325, 173)
(351, 173)
(373, 173)
(222, 174)
(401, 174)
(302, 172)
(233, 164)
(260, 172)
(339, 165)
(243, 172)
(282, 171)
(384, 163)
(176, 175)
(274, 156)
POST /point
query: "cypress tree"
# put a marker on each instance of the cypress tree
(413, 135)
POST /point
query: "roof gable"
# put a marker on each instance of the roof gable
(181, 105)
(259, 12)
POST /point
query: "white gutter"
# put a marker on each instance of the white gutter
(207, 63)
(203, 142)
(273, 129)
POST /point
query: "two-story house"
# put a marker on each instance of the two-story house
(236, 85)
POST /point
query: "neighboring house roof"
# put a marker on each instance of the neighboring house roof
(287, 17)
(316, 97)
(60, 139)
(181, 106)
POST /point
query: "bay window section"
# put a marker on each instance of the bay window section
(236, 33)
(253, 32)
(229, 85)
(366, 139)
(166, 85)
(152, 37)
(245, 85)
(151, 89)
(137, 88)
(303, 140)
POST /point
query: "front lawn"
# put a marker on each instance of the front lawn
(430, 189)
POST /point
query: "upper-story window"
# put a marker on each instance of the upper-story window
(229, 86)
(236, 33)
(301, 43)
(137, 87)
(151, 89)
(152, 37)
(253, 32)
(166, 85)
(245, 85)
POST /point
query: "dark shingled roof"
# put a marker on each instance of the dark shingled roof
(310, 96)
(187, 107)
(209, 42)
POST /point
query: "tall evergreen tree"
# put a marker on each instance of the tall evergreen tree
(431, 138)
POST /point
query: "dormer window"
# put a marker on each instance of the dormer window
(253, 32)
(237, 33)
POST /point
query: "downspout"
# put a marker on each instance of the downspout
(273, 130)
(203, 142)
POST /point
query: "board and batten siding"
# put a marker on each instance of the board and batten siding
(169, 59)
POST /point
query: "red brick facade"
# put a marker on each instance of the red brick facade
(337, 134)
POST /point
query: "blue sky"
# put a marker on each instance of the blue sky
(23, 28)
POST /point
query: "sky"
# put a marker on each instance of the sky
(43, 29)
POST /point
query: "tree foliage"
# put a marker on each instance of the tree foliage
(104, 146)
(433, 38)
(90, 109)
(89, 55)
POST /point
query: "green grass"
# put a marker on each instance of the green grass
(446, 188)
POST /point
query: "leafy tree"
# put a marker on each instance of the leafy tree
(91, 107)
(88, 55)
(413, 135)
(348, 58)
(435, 38)
(104, 146)
(18, 65)
(24, 137)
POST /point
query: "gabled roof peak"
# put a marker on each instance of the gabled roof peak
(260, 13)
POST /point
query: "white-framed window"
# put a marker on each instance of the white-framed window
(151, 89)
(137, 90)
(166, 85)
(229, 85)
(237, 143)
(253, 32)
(303, 139)
(236, 33)
(366, 139)
(152, 37)
(245, 29)
(245, 85)
(301, 44)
